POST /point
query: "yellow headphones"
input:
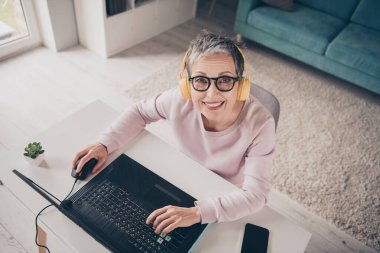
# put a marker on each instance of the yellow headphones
(243, 86)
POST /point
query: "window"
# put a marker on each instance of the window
(18, 29)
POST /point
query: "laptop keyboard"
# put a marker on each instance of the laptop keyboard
(119, 208)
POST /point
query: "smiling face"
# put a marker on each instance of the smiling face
(219, 109)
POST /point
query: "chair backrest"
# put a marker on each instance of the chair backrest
(268, 100)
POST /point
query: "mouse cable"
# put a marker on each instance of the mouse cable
(36, 220)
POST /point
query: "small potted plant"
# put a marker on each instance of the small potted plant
(34, 153)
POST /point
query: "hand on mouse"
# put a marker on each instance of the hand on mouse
(97, 151)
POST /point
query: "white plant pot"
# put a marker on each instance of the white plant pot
(37, 161)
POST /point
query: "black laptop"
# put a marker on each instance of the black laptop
(113, 207)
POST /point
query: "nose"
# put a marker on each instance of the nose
(212, 90)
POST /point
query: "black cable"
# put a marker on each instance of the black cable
(35, 240)
(72, 188)
(36, 220)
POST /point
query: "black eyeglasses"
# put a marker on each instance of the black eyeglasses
(222, 83)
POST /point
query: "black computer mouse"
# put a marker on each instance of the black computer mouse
(86, 169)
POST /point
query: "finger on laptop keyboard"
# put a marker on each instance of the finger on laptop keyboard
(154, 214)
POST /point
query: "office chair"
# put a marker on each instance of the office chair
(268, 100)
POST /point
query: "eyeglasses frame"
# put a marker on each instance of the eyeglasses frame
(215, 79)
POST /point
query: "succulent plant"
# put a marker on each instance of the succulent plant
(33, 150)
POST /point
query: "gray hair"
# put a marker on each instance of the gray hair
(207, 43)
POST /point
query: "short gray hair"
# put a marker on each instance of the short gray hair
(207, 43)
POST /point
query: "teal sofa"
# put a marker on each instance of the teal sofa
(340, 37)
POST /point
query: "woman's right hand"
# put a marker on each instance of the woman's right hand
(97, 151)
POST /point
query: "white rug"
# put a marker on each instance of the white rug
(328, 140)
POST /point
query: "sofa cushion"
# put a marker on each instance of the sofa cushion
(357, 47)
(367, 14)
(286, 5)
(304, 27)
(338, 8)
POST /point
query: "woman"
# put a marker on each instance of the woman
(216, 122)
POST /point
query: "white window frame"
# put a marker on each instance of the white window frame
(27, 42)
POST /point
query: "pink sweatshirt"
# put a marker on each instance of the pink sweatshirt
(241, 154)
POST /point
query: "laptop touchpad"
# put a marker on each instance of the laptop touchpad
(160, 197)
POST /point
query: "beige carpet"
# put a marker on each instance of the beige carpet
(328, 140)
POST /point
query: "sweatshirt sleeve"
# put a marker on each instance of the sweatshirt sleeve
(256, 185)
(133, 120)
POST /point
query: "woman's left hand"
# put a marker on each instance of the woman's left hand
(168, 218)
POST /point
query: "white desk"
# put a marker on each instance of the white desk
(63, 140)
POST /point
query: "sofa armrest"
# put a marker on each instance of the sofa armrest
(243, 9)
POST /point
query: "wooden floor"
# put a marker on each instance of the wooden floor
(40, 87)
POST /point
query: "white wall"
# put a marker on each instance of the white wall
(57, 23)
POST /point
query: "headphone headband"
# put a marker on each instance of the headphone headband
(183, 65)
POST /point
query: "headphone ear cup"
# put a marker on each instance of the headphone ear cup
(244, 89)
(184, 86)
